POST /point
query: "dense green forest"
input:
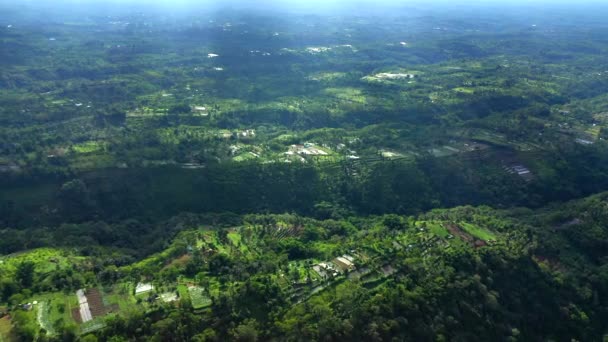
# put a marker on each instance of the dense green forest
(418, 173)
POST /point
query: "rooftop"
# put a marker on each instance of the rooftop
(143, 287)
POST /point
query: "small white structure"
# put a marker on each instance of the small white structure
(85, 311)
(391, 76)
(519, 169)
(344, 262)
(307, 149)
(349, 258)
(389, 154)
(168, 297)
(212, 55)
(248, 133)
(320, 271)
(317, 49)
(143, 288)
(584, 141)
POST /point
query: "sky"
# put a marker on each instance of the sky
(322, 7)
(310, 4)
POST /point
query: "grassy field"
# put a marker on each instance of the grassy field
(237, 241)
(52, 308)
(88, 147)
(43, 316)
(93, 325)
(5, 330)
(478, 232)
(182, 290)
(244, 156)
(210, 238)
(235, 238)
(437, 229)
(198, 297)
(121, 295)
(45, 260)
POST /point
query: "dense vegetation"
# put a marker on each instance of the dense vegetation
(242, 175)
(460, 274)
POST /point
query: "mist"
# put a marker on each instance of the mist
(320, 7)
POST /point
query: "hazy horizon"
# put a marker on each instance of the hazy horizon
(315, 6)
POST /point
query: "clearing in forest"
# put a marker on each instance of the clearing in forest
(198, 297)
(471, 234)
(478, 232)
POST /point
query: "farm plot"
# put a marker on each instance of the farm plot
(168, 297)
(91, 326)
(301, 272)
(209, 241)
(460, 233)
(46, 260)
(120, 297)
(91, 306)
(182, 291)
(53, 308)
(44, 319)
(478, 232)
(237, 241)
(6, 330)
(437, 229)
(471, 234)
(96, 304)
(198, 297)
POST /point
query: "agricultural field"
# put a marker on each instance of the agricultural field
(478, 232)
(88, 147)
(199, 297)
(237, 241)
(45, 260)
(183, 292)
(436, 228)
(54, 310)
(169, 297)
(6, 330)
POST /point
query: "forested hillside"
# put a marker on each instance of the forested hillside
(468, 273)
